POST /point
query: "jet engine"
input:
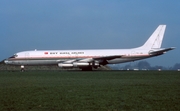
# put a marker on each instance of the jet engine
(78, 64)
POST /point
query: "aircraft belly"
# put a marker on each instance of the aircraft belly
(35, 62)
(122, 60)
(41, 62)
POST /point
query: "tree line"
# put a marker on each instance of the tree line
(144, 65)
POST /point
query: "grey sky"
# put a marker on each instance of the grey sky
(88, 24)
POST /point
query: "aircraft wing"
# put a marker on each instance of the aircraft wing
(108, 57)
(161, 51)
(90, 60)
(103, 60)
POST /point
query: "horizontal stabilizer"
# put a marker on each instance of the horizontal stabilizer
(161, 51)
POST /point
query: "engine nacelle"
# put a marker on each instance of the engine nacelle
(81, 64)
(65, 65)
(77, 64)
(74, 64)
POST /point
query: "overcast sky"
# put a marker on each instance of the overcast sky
(88, 24)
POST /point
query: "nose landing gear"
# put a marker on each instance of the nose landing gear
(22, 68)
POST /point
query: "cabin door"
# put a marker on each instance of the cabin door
(26, 58)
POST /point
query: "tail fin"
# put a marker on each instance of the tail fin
(155, 40)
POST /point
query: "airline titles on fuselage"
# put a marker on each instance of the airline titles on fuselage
(64, 53)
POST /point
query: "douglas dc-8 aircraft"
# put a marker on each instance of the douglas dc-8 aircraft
(89, 59)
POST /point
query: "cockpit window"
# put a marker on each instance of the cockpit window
(14, 56)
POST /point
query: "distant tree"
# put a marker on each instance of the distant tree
(128, 66)
(176, 66)
(143, 65)
(2, 62)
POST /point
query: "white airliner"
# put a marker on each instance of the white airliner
(89, 59)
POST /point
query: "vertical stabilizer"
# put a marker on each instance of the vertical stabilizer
(155, 40)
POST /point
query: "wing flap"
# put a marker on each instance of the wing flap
(161, 51)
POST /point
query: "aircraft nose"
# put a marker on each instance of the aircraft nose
(6, 61)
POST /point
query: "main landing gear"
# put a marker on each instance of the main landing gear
(87, 69)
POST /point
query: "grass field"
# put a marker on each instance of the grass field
(98, 90)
